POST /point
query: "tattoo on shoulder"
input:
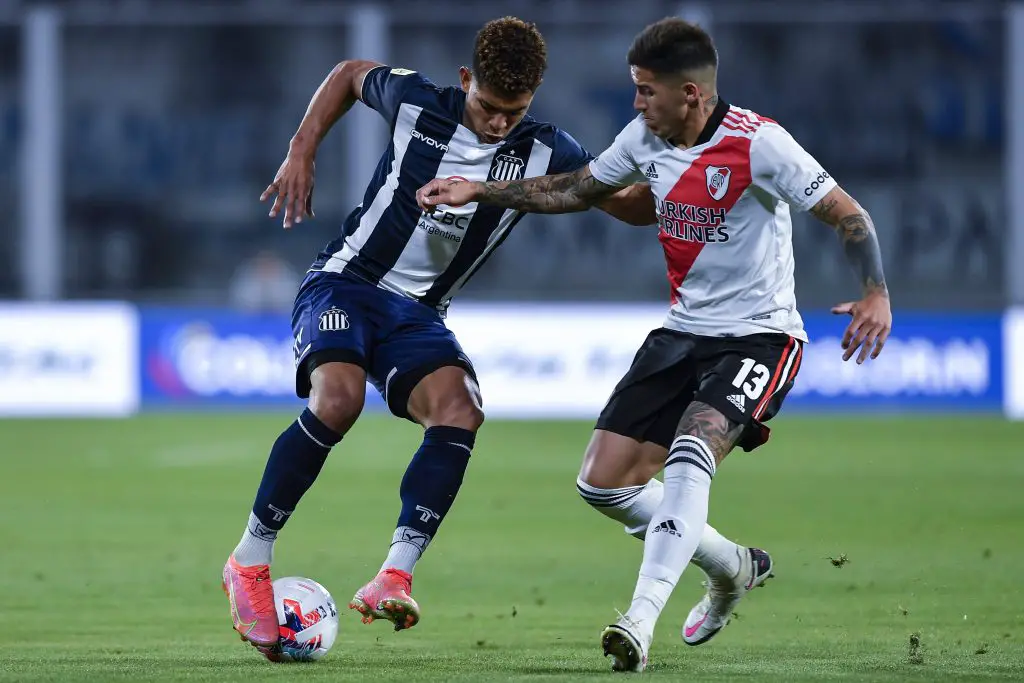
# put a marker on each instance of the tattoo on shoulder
(712, 427)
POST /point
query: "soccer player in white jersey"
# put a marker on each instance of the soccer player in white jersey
(373, 302)
(725, 180)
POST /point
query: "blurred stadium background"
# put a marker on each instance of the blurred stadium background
(141, 280)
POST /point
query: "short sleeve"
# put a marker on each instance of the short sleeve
(785, 169)
(384, 89)
(616, 165)
(567, 155)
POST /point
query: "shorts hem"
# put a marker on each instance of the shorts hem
(399, 388)
(315, 359)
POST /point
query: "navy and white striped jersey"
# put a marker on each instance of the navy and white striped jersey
(388, 240)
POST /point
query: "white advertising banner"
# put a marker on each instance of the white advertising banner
(68, 359)
(544, 361)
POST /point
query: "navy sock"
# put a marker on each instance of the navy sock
(295, 461)
(433, 478)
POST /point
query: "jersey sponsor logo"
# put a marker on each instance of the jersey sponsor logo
(444, 224)
(507, 167)
(718, 181)
(816, 183)
(447, 218)
(691, 222)
(429, 140)
(333, 320)
(652, 171)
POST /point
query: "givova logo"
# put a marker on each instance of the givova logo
(429, 140)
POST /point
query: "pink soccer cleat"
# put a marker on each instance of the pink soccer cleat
(251, 595)
(387, 597)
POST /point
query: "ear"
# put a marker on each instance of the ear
(691, 94)
(465, 78)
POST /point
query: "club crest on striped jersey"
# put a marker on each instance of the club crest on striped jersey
(507, 167)
(718, 181)
(333, 320)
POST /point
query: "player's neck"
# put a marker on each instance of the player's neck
(694, 124)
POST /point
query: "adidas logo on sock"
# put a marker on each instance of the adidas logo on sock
(652, 171)
(669, 527)
(738, 400)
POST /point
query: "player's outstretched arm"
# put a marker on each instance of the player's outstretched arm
(633, 204)
(293, 183)
(562, 193)
(872, 317)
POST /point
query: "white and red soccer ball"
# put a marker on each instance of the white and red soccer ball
(308, 618)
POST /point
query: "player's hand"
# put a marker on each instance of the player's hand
(870, 327)
(293, 186)
(446, 191)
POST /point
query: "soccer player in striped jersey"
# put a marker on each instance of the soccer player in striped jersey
(724, 179)
(373, 302)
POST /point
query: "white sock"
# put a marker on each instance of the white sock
(675, 530)
(634, 506)
(717, 555)
(257, 544)
(407, 545)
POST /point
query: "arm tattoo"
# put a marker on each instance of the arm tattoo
(857, 233)
(712, 427)
(860, 243)
(564, 193)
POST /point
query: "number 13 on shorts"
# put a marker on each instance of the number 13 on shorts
(752, 382)
(752, 378)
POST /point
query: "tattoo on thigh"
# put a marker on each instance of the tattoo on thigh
(712, 427)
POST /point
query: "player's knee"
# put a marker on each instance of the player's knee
(457, 411)
(613, 461)
(337, 397)
(447, 397)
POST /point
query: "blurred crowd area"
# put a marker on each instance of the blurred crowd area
(171, 131)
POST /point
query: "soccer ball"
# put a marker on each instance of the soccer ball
(308, 618)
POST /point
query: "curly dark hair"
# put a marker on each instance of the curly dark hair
(510, 56)
(673, 46)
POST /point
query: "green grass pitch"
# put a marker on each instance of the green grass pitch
(113, 533)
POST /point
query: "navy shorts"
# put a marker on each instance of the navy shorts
(398, 341)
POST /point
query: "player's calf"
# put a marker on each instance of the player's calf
(616, 479)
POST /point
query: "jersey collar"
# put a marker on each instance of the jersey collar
(714, 121)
